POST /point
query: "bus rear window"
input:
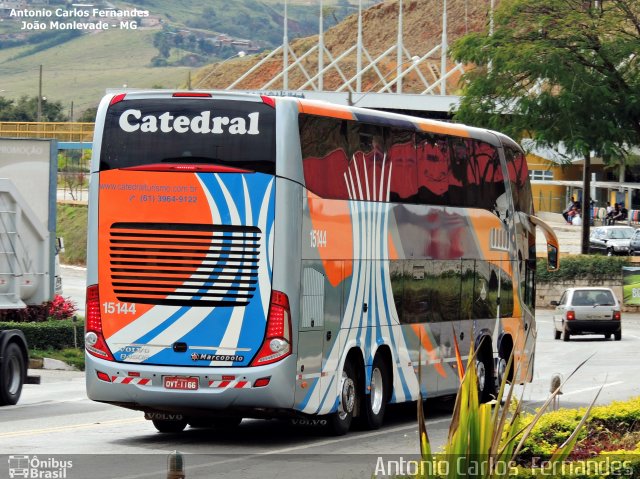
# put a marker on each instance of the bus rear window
(239, 134)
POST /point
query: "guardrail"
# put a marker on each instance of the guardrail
(62, 131)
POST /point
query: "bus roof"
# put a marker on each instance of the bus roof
(316, 107)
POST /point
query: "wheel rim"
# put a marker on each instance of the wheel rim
(347, 396)
(481, 375)
(13, 381)
(502, 368)
(377, 391)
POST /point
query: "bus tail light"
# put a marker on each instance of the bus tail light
(117, 98)
(617, 315)
(571, 315)
(93, 339)
(267, 100)
(277, 341)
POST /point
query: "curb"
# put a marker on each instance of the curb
(52, 364)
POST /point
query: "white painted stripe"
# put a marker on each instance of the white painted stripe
(593, 388)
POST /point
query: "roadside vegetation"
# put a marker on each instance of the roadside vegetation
(72, 226)
(72, 356)
(497, 439)
(572, 267)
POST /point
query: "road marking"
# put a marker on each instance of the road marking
(594, 388)
(70, 427)
(245, 458)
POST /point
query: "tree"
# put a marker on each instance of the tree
(26, 109)
(558, 71)
(89, 115)
(6, 107)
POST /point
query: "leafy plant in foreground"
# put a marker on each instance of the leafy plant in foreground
(485, 439)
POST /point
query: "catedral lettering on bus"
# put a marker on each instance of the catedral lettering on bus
(325, 251)
(203, 123)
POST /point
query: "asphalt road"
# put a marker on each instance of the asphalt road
(74, 285)
(55, 420)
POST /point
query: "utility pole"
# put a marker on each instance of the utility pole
(39, 114)
(586, 202)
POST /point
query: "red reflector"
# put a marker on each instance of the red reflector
(262, 382)
(191, 94)
(134, 374)
(103, 376)
(267, 100)
(179, 167)
(228, 378)
(117, 98)
(617, 315)
(571, 315)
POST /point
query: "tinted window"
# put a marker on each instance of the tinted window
(345, 159)
(519, 178)
(185, 130)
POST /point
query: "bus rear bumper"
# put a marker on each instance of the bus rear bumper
(150, 388)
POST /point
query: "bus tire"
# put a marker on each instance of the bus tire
(376, 401)
(339, 422)
(167, 426)
(12, 374)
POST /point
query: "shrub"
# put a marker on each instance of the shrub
(50, 334)
(61, 308)
(58, 309)
(582, 267)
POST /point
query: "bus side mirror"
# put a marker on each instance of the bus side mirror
(552, 257)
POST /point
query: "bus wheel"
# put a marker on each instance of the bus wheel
(167, 426)
(376, 401)
(12, 375)
(340, 421)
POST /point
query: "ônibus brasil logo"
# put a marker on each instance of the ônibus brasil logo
(38, 468)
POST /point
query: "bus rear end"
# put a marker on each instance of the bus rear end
(182, 320)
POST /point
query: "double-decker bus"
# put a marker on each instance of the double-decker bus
(253, 257)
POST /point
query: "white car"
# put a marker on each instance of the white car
(611, 240)
(587, 311)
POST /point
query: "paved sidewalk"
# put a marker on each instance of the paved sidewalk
(569, 236)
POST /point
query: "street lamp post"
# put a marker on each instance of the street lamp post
(39, 113)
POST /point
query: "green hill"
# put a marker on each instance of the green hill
(80, 70)
(79, 66)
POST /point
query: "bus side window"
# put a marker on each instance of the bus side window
(402, 156)
(324, 156)
(433, 169)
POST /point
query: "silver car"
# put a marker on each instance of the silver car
(587, 311)
(611, 240)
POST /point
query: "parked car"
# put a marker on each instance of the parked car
(634, 245)
(611, 240)
(587, 311)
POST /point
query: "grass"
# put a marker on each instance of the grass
(73, 357)
(82, 69)
(72, 226)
